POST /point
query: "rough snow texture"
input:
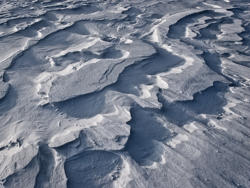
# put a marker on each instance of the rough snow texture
(115, 93)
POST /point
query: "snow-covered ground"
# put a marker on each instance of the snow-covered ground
(122, 93)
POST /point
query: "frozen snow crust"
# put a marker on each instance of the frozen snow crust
(112, 93)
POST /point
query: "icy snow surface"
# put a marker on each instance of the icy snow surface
(122, 93)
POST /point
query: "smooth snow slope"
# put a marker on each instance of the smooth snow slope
(120, 93)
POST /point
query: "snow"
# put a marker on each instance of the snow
(120, 94)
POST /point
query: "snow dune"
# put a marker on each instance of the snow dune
(124, 93)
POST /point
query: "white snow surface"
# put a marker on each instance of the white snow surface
(119, 93)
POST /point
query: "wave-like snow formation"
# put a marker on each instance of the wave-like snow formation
(112, 93)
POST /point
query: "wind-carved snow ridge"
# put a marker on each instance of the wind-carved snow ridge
(124, 93)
